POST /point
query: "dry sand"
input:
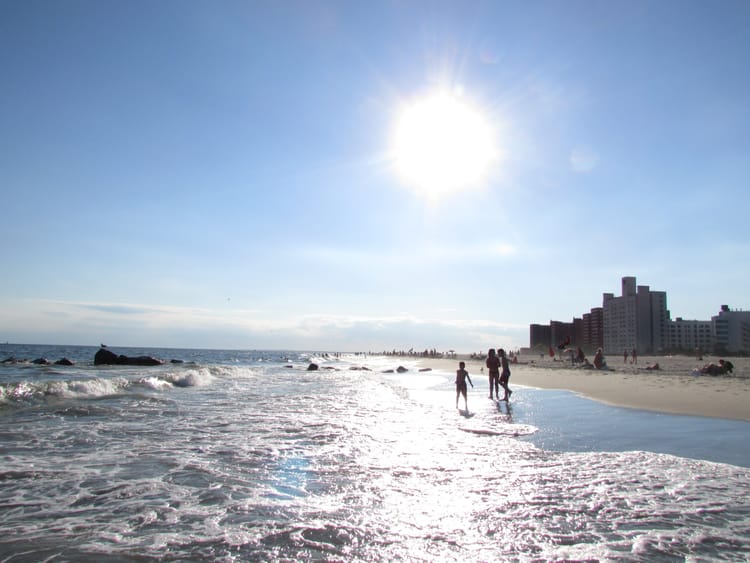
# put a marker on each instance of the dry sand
(673, 389)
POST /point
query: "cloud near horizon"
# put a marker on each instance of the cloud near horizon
(177, 327)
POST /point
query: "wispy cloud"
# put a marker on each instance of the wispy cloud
(116, 309)
(142, 325)
(583, 159)
(429, 253)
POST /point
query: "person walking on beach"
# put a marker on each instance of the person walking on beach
(493, 365)
(504, 375)
(461, 376)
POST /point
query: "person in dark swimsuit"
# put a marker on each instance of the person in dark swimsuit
(461, 376)
(493, 365)
(504, 375)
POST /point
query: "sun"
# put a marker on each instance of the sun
(441, 145)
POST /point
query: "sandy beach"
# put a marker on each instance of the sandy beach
(673, 389)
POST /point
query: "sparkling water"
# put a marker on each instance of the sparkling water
(247, 456)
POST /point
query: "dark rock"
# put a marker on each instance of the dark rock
(140, 361)
(426, 369)
(289, 366)
(40, 361)
(143, 361)
(401, 369)
(312, 367)
(64, 362)
(176, 362)
(388, 371)
(107, 357)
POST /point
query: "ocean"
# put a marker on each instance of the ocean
(247, 456)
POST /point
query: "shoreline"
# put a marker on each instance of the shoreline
(674, 389)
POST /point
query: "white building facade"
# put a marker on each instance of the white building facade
(689, 336)
(732, 331)
(638, 319)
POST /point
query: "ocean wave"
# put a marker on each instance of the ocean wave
(190, 378)
(509, 430)
(224, 371)
(155, 383)
(29, 392)
(87, 388)
(183, 378)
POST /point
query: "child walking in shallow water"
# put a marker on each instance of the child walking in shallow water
(461, 376)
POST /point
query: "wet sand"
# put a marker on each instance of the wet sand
(675, 388)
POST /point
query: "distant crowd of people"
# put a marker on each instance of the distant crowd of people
(411, 353)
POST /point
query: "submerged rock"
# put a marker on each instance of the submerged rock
(312, 367)
(64, 362)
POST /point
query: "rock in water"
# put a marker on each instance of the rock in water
(107, 357)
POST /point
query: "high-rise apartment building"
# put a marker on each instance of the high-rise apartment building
(540, 337)
(593, 328)
(561, 332)
(732, 330)
(638, 319)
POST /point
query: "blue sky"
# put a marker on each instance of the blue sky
(220, 174)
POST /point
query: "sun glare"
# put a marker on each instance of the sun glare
(442, 145)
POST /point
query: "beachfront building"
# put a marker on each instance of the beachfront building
(584, 332)
(593, 329)
(731, 331)
(690, 336)
(637, 320)
(577, 331)
(561, 332)
(540, 337)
